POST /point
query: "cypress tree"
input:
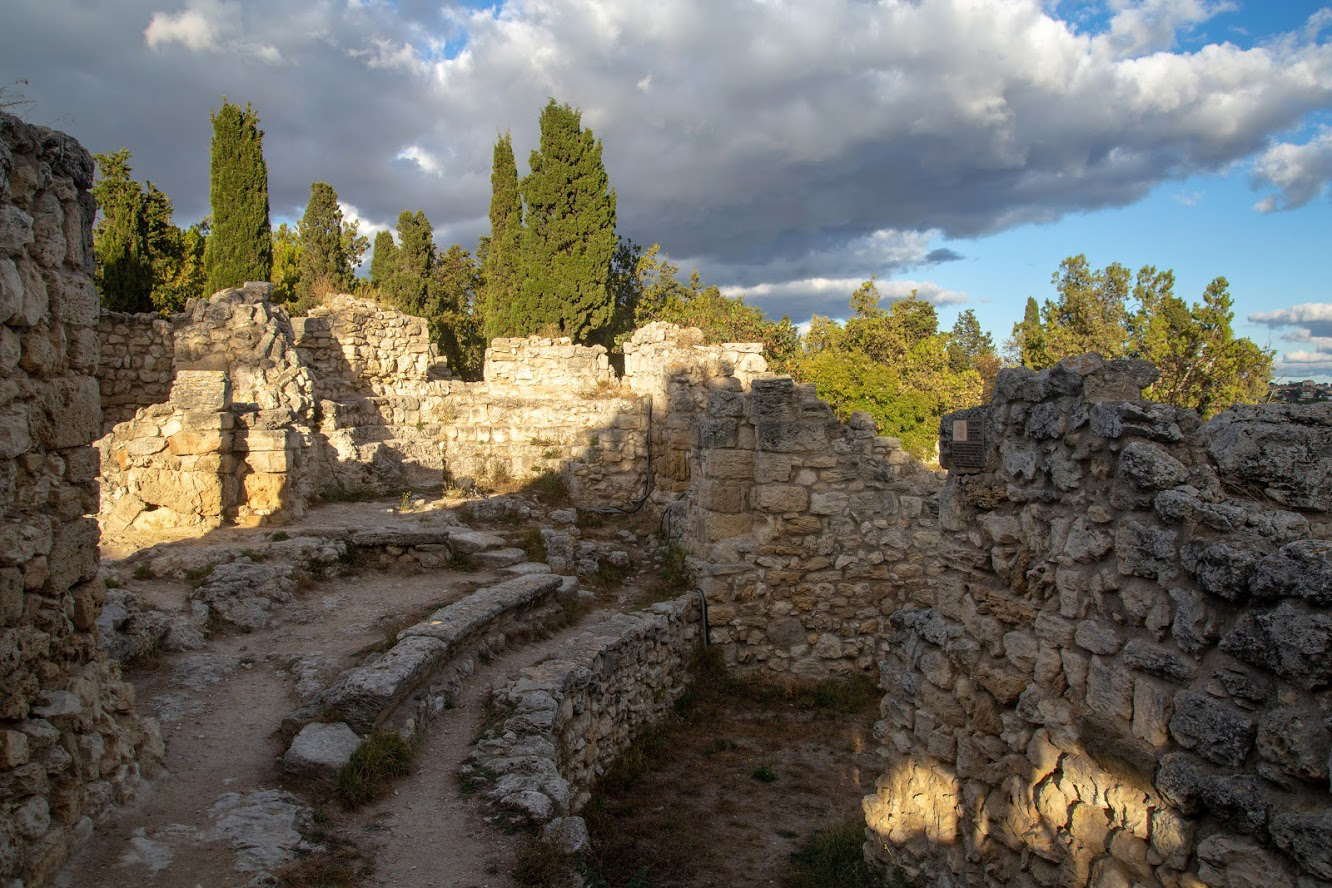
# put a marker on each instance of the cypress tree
(240, 247)
(121, 239)
(569, 237)
(501, 310)
(408, 285)
(322, 255)
(383, 260)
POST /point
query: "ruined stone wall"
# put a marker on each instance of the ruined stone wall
(1123, 675)
(541, 364)
(70, 743)
(136, 364)
(597, 443)
(356, 348)
(807, 532)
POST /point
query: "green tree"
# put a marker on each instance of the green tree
(144, 262)
(407, 286)
(972, 347)
(1203, 365)
(240, 247)
(569, 236)
(287, 272)
(1090, 314)
(323, 259)
(893, 363)
(501, 309)
(1114, 313)
(383, 260)
(124, 274)
(454, 320)
(1027, 345)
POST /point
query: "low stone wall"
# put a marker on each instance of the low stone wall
(570, 716)
(355, 348)
(70, 742)
(598, 444)
(136, 365)
(537, 364)
(1123, 675)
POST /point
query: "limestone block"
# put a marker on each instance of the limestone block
(1238, 862)
(781, 498)
(1297, 740)
(1284, 449)
(1299, 570)
(321, 749)
(1290, 639)
(1307, 835)
(201, 390)
(1212, 729)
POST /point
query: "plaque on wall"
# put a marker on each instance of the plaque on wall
(967, 450)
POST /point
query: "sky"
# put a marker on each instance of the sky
(788, 150)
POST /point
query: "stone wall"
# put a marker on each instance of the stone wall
(539, 364)
(136, 365)
(356, 348)
(1123, 674)
(563, 722)
(70, 743)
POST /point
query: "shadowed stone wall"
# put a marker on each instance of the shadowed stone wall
(70, 744)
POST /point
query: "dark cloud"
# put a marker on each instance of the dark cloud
(767, 143)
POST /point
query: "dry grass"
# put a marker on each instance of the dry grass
(377, 762)
(723, 792)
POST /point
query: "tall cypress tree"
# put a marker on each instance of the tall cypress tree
(569, 237)
(408, 285)
(501, 309)
(240, 247)
(322, 255)
(121, 238)
(383, 260)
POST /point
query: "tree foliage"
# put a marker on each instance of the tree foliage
(500, 303)
(652, 292)
(894, 364)
(240, 247)
(569, 233)
(1114, 313)
(323, 258)
(144, 262)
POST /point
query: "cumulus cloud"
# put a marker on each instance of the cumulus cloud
(1299, 172)
(1309, 324)
(206, 25)
(768, 143)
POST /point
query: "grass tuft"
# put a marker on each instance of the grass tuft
(832, 858)
(379, 760)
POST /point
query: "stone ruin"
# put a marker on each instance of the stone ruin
(1104, 639)
(70, 742)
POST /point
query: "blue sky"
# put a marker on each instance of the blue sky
(787, 148)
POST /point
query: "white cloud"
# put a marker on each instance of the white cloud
(1142, 26)
(422, 158)
(207, 26)
(1309, 324)
(1300, 172)
(191, 27)
(768, 143)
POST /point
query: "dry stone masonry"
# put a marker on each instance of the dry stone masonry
(1105, 641)
(70, 743)
(1123, 674)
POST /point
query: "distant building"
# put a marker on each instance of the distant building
(1305, 392)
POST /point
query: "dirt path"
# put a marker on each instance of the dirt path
(219, 708)
(427, 833)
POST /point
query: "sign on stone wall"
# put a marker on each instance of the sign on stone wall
(964, 443)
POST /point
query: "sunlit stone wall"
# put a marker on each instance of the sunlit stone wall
(1124, 674)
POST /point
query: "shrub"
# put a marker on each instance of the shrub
(380, 759)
